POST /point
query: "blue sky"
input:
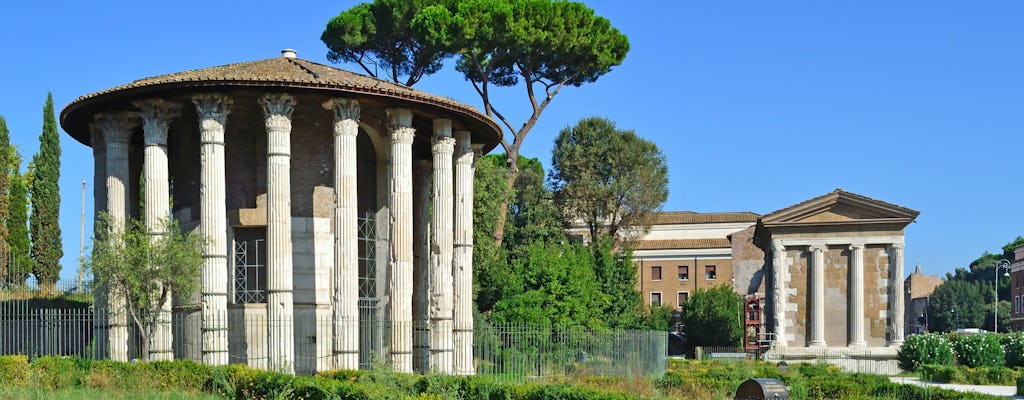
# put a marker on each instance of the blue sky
(757, 105)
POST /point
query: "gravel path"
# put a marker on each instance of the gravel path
(1008, 391)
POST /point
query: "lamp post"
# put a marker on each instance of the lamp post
(1002, 264)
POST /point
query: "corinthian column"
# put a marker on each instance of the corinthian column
(896, 298)
(212, 110)
(99, 196)
(462, 267)
(117, 128)
(346, 234)
(817, 304)
(156, 119)
(441, 341)
(856, 299)
(779, 291)
(421, 268)
(277, 110)
(400, 268)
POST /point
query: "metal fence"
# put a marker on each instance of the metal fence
(65, 323)
(871, 360)
(518, 352)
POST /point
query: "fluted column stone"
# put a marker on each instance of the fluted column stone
(345, 303)
(421, 268)
(896, 297)
(441, 301)
(856, 297)
(462, 267)
(117, 129)
(400, 232)
(99, 195)
(816, 309)
(156, 119)
(212, 110)
(779, 291)
(277, 111)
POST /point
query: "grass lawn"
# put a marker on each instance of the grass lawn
(97, 394)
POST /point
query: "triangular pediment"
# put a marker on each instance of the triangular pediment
(840, 207)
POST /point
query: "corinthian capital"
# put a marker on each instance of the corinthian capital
(212, 106)
(400, 125)
(345, 110)
(117, 126)
(156, 118)
(814, 248)
(443, 145)
(777, 246)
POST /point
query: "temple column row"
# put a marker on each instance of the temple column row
(450, 240)
(856, 297)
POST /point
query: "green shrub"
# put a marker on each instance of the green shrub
(1014, 345)
(979, 350)
(55, 372)
(971, 376)
(183, 375)
(1020, 385)
(923, 349)
(14, 370)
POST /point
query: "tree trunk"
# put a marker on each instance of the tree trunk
(513, 174)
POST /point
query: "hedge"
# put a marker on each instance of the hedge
(971, 376)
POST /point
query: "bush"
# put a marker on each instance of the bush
(1020, 385)
(14, 370)
(923, 349)
(980, 350)
(55, 372)
(1014, 345)
(971, 376)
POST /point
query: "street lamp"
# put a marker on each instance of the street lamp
(1003, 264)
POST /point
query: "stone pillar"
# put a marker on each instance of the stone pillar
(441, 302)
(779, 291)
(99, 196)
(213, 110)
(856, 297)
(156, 119)
(816, 308)
(345, 302)
(277, 110)
(421, 269)
(117, 128)
(400, 232)
(462, 268)
(896, 296)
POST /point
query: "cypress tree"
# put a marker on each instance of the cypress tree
(17, 224)
(5, 253)
(44, 221)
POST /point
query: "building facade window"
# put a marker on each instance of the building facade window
(682, 297)
(709, 272)
(684, 273)
(250, 275)
(655, 299)
(656, 273)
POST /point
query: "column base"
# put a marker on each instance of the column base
(817, 343)
(858, 344)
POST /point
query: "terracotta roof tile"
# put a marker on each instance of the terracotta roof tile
(708, 243)
(690, 217)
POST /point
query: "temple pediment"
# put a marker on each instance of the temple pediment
(838, 208)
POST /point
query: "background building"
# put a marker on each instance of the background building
(918, 287)
(1017, 289)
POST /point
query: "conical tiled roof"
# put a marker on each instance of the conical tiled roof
(272, 72)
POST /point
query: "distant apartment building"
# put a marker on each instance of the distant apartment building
(687, 251)
(1017, 289)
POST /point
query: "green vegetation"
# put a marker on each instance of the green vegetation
(62, 377)
(543, 44)
(966, 298)
(17, 222)
(919, 350)
(609, 178)
(5, 187)
(146, 269)
(712, 317)
(44, 222)
(969, 376)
